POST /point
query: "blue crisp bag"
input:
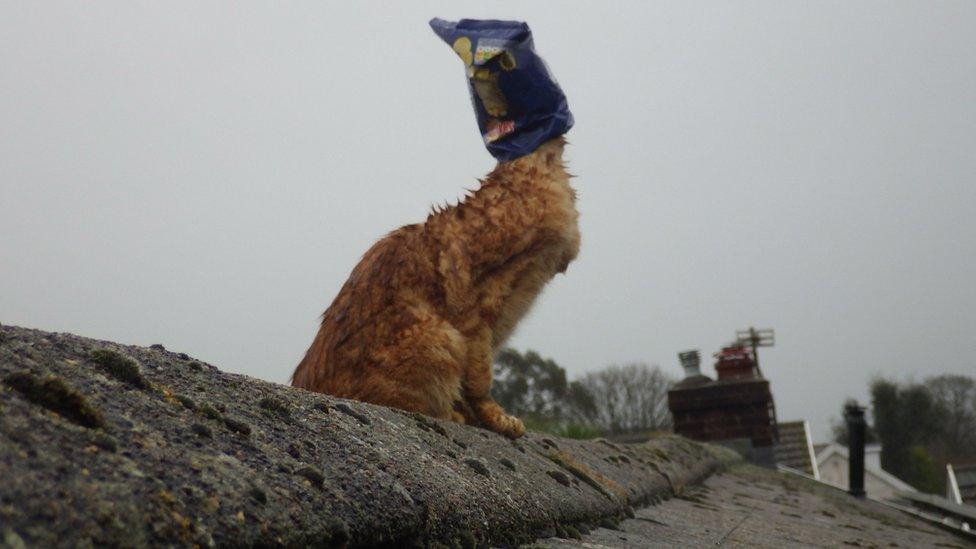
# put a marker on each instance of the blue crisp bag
(518, 103)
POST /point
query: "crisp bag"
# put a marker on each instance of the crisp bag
(517, 101)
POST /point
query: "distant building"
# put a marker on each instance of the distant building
(832, 462)
(961, 484)
(735, 410)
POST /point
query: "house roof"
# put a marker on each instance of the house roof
(794, 449)
(836, 449)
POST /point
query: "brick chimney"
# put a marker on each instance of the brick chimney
(735, 410)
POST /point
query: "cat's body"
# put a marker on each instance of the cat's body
(417, 324)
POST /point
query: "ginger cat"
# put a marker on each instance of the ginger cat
(418, 323)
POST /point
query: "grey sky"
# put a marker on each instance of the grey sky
(205, 175)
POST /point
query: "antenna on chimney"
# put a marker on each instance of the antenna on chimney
(755, 339)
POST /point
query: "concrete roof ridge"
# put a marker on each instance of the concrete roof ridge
(109, 444)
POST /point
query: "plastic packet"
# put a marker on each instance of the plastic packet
(518, 103)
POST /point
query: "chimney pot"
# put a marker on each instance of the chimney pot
(691, 362)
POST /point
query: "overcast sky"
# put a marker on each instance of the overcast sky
(205, 175)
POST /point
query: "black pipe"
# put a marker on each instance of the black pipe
(856, 427)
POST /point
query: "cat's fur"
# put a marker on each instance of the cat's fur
(417, 324)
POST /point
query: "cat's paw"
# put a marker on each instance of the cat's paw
(511, 427)
(494, 418)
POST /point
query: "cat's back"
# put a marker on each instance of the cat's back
(396, 264)
(365, 308)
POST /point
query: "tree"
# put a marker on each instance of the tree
(581, 407)
(616, 399)
(923, 472)
(536, 390)
(955, 397)
(906, 417)
(839, 427)
(529, 385)
(626, 398)
(922, 426)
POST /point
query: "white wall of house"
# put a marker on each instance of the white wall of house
(878, 483)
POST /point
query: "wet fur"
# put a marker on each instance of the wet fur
(418, 323)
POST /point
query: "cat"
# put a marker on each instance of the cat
(417, 324)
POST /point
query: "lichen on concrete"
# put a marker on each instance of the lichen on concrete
(55, 394)
(122, 368)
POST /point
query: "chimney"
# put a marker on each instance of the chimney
(856, 426)
(691, 362)
(735, 410)
(735, 362)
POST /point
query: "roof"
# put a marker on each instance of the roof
(945, 507)
(104, 444)
(836, 449)
(794, 449)
(111, 445)
(747, 506)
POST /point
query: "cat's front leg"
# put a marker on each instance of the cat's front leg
(477, 392)
(493, 417)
